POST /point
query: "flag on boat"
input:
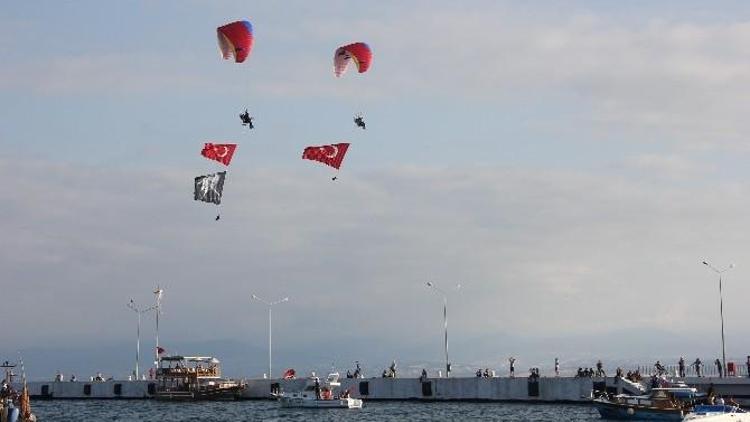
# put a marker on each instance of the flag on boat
(209, 188)
(219, 152)
(331, 155)
(160, 350)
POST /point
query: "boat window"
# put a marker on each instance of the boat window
(118, 389)
(87, 389)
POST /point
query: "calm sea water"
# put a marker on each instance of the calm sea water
(150, 410)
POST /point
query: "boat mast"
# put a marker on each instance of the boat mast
(158, 292)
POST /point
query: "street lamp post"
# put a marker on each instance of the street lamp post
(721, 313)
(445, 323)
(270, 306)
(140, 312)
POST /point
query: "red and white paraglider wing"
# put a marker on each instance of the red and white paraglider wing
(235, 39)
(359, 53)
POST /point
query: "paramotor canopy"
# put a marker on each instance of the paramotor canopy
(358, 52)
(235, 39)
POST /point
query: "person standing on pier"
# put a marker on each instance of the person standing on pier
(599, 369)
(717, 362)
(512, 362)
(681, 367)
(698, 365)
(660, 370)
(748, 366)
(557, 366)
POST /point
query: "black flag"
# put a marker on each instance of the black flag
(208, 188)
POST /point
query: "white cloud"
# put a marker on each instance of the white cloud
(673, 167)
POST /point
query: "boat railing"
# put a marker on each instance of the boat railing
(643, 401)
(190, 372)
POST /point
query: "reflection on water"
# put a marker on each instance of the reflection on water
(149, 410)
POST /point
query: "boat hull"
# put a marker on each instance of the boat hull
(631, 412)
(299, 402)
(218, 394)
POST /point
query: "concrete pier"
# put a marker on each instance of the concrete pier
(445, 389)
(543, 389)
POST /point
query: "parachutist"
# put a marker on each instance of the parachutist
(334, 177)
(247, 120)
(359, 121)
(218, 217)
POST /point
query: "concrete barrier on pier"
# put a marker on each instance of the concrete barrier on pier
(112, 389)
(552, 389)
(444, 389)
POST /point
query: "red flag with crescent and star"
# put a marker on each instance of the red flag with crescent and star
(331, 155)
(220, 152)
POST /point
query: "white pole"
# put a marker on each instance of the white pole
(270, 331)
(138, 348)
(269, 341)
(721, 315)
(158, 292)
(445, 323)
(445, 318)
(140, 312)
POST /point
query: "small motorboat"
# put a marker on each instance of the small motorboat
(320, 396)
(717, 413)
(662, 404)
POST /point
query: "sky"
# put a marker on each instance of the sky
(570, 164)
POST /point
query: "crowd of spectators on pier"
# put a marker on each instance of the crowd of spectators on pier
(585, 372)
(357, 371)
(391, 371)
(682, 369)
(487, 373)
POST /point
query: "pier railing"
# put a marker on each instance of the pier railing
(707, 370)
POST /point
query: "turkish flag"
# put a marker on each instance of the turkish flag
(332, 154)
(220, 152)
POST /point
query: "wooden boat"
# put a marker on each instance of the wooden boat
(194, 378)
(661, 404)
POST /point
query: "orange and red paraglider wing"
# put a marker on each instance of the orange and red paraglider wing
(235, 39)
(358, 52)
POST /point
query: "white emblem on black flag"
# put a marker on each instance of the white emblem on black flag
(209, 188)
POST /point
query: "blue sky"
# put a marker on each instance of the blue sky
(555, 157)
